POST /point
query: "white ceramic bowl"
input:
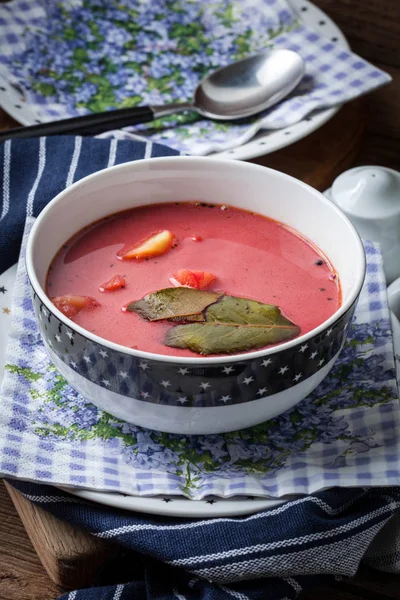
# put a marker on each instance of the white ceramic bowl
(186, 406)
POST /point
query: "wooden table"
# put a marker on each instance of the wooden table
(373, 30)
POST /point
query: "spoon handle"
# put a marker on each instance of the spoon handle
(93, 124)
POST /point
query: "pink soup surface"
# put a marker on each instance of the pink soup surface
(251, 256)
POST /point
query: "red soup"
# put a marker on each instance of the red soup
(190, 279)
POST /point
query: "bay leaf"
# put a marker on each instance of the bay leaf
(174, 303)
(243, 311)
(233, 325)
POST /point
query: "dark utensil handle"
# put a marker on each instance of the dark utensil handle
(86, 125)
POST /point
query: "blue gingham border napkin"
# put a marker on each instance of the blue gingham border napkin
(161, 61)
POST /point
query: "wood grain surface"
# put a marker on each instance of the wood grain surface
(71, 557)
(373, 30)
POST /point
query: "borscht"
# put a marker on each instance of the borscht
(193, 279)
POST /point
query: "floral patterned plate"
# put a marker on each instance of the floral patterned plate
(13, 102)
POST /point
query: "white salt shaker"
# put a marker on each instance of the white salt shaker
(370, 197)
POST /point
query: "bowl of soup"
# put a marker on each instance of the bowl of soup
(193, 295)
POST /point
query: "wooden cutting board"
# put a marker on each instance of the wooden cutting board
(72, 557)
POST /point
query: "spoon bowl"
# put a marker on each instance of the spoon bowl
(249, 86)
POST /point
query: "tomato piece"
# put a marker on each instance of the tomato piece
(198, 280)
(184, 277)
(70, 305)
(115, 283)
(156, 244)
(206, 279)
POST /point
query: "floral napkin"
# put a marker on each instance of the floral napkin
(79, 56)
(346, 433)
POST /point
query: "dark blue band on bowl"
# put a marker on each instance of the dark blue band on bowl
(179, 384)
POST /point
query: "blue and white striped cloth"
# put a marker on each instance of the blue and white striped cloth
(273, 554)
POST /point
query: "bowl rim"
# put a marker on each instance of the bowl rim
(195, 360)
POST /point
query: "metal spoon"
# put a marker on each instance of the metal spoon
(239, 90)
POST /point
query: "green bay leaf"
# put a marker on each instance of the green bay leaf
(233, 325)
(174, 304)
(218, 338)
(243, 311)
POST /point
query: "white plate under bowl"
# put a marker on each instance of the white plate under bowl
(177, 506)
(13, 102)
(174, 506)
